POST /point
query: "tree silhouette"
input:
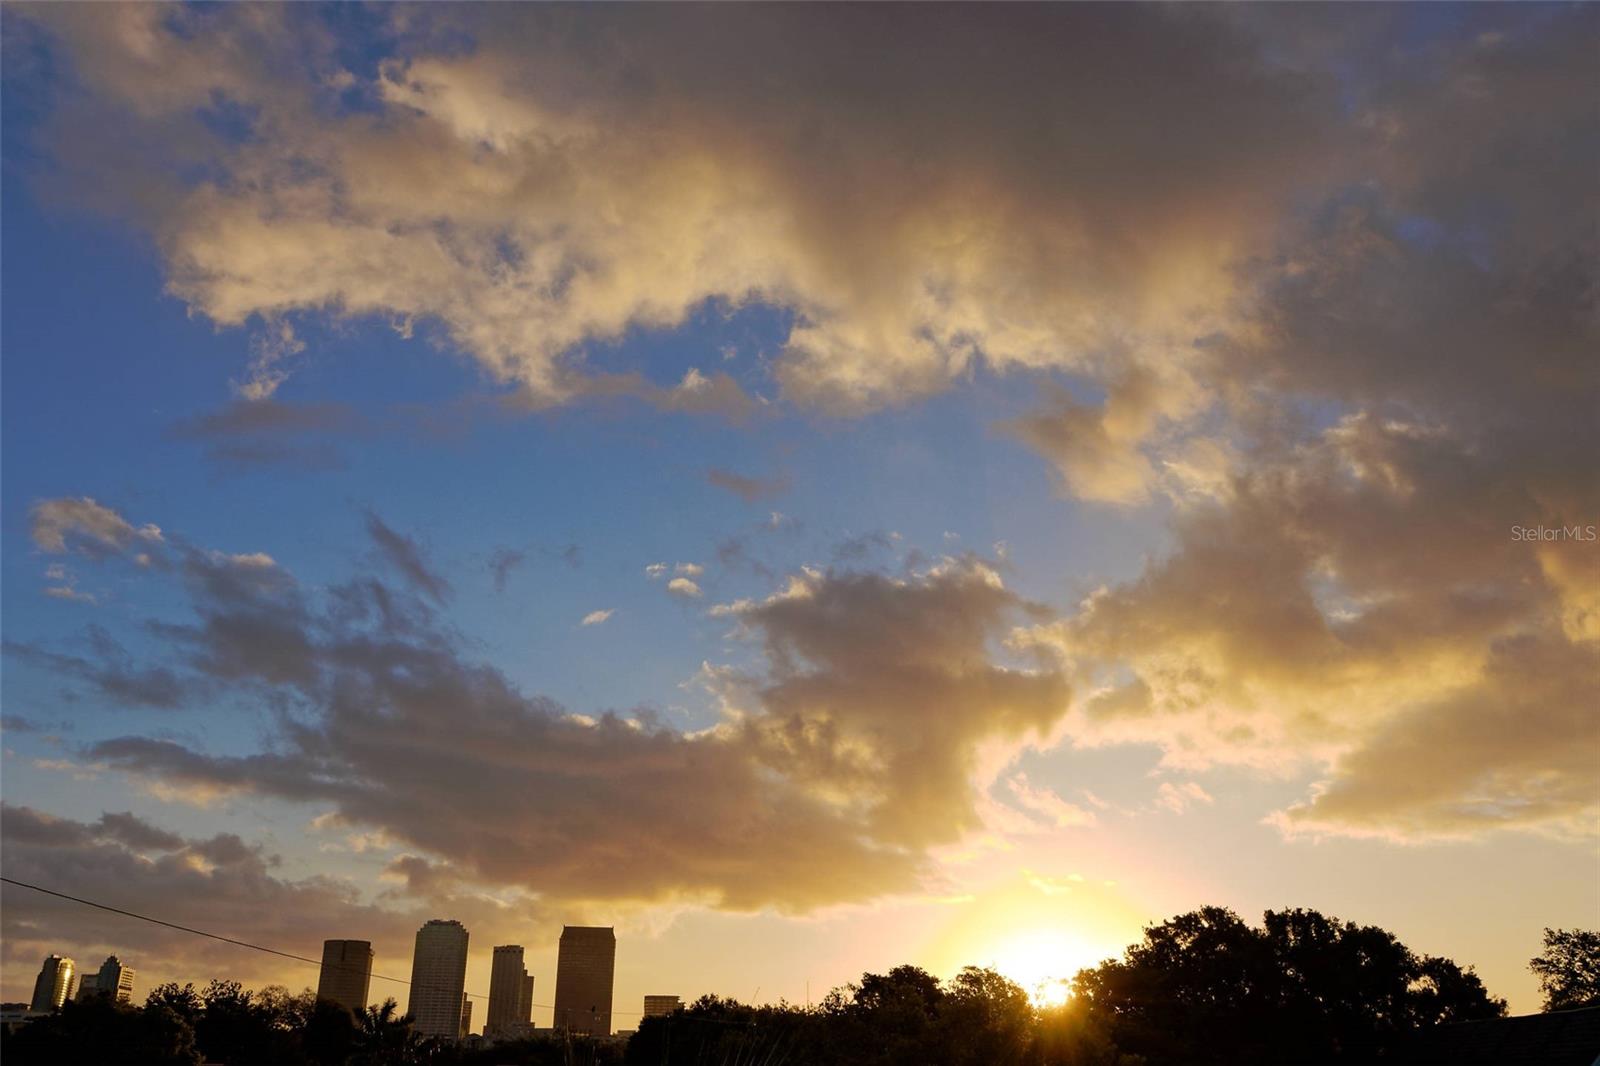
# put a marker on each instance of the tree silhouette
(1207, 987)
(1569, 968)
(384, 1035)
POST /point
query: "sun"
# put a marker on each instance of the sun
(1042, 962)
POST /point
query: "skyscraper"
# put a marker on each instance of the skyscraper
(657, 1006)
(584, 971)
(346, 973)
(54, 984)
(113, 979)
(438, 979)
(510, 993)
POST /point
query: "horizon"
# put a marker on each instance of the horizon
(813, 488)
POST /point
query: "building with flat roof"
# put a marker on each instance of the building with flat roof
(55, 984)
(585, 969)
(438, 979)
(658, 1006)
(346, 975)
(510, 993)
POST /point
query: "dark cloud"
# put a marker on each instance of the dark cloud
(403, 553)
(251, 434)
(109, 670)
(748, 489)
(502, 563)
(832, 774)
(267, 417)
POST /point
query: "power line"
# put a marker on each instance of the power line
(243, 943)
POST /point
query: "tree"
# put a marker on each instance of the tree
(185, 1002)
(984, 1018)
(1207, 987)
(329, 1036)
(1569, 968)
(100, 1031)
(383, 1035)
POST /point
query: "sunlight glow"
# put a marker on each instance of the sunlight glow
(1042, 962)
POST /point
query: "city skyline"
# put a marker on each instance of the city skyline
(808, 488)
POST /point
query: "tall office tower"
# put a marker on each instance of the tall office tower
(584, 970)
(466, 1018)
(439, 978)
(54, 984)
(346, 973)
(657, 1006)
(113, 979)
(510, 993)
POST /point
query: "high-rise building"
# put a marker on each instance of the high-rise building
(346, 973)
(466, 1018)
(657, 1006)
(113, 979)
(584, 970)
(54, 984)
(510, 993)
(439, 978)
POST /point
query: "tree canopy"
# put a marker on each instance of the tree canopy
(1569, 968)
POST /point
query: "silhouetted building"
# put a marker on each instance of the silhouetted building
(1557, 1038)
(438, 979)
(510, 993)
(658, 1006)
(113, 980)
(346, 974)
(55, 984)
(584, 972)
(466, 1018)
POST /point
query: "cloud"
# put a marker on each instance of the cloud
(682, 586)
(689, 569)
(87, 526)
(502, 563)
(269, 349)
(748, 489)
(405, 556)
(835, 766)
(265, 432)
(655, 570)
(1178, 798)
(950, 218)
(266, 417)
(594, 618)
(1098, 450)
(1518, 748)
(1046, 803)
(111, 671)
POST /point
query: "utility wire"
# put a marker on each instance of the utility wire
(244, 943)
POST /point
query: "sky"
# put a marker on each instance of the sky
(814, 487)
